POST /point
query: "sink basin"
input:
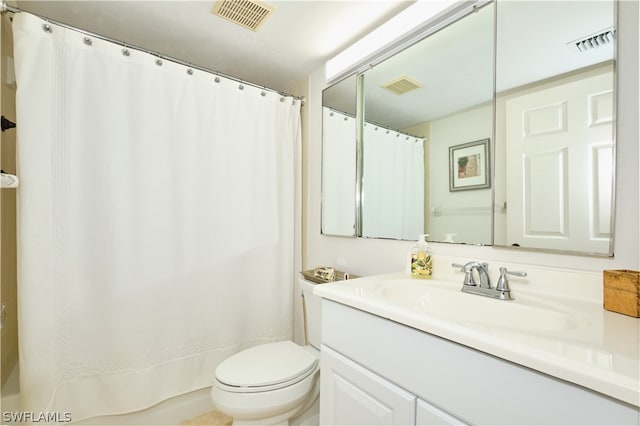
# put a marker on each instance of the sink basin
(448, 302)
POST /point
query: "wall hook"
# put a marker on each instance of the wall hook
(6, 124)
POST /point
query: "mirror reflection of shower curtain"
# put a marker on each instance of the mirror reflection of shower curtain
(338, 173)
(157, 224)
(393, 184)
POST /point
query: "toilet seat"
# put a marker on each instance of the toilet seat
(266, 367)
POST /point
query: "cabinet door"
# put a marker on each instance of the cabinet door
(353, 395)
(427, 414)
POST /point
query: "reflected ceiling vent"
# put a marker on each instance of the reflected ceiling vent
(247, 13)
(401, 85)
(594, 41)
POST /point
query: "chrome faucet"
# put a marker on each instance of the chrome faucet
(481, 268)
(484, 288)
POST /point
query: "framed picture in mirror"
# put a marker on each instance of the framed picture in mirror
(469, 166)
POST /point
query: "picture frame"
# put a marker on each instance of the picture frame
(469, 166)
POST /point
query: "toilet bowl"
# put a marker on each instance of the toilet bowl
(271, 383)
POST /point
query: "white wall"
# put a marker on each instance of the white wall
(368, 257)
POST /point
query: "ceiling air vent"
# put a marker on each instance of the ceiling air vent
(247, 13)
(594, 41)
(401, 85)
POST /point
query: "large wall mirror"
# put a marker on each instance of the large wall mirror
(555, 121)
(425, 110)
(512, 147)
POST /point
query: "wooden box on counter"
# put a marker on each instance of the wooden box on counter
(622, 291)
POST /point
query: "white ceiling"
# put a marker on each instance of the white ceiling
(296, 39)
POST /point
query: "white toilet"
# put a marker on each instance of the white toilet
(271, 383)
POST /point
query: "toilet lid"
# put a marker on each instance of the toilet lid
(266, 365)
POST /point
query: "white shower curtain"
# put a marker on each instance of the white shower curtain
(392, 184)
(158, 222)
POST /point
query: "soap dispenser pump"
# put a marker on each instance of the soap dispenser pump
(421, 259)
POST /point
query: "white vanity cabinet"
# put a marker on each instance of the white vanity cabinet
(377, 371)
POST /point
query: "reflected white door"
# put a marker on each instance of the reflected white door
(559, 164)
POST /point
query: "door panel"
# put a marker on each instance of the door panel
(559, 164)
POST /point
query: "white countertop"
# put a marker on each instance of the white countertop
(574, 340)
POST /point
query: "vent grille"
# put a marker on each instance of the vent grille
(401, 85)
(594, 41)
(250, 14)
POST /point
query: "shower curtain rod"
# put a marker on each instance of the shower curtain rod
(4, 8)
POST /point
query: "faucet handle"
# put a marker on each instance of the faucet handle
(503, 281)
(468, 275)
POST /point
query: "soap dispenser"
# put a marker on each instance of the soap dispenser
(421, 259)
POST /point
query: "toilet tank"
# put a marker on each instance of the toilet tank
(312, 308)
